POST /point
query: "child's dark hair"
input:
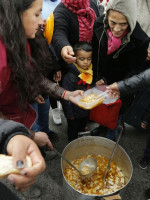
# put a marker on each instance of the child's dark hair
(82, 46)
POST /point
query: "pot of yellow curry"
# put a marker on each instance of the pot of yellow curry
(75, 187)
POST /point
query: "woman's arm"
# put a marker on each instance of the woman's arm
(9, 129)
(56, 91)
(61, 28)
(132, 84)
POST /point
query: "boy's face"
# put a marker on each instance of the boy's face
(84, 59)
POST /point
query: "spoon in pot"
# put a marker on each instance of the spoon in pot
(86, 168)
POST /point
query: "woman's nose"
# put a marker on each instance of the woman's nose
(117, 28)
(41, 22)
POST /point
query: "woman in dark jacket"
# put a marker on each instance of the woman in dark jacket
(129, 58)
(73, 22)
(119, 44)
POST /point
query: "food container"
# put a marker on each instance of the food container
(98, 146)
(93, 97)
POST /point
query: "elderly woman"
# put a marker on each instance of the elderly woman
(120, 45)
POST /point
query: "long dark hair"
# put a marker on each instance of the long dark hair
(13, 36)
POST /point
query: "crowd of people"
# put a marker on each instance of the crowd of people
(108, 42)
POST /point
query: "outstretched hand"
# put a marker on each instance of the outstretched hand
(19, 147)
(114, 90)
(72, 95)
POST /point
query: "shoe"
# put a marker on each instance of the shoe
(56, 116)
(84, 133)
(147, 193)
(143, 164)
(99, 131)
(53, 136)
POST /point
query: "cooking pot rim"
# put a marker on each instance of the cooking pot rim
(94, 195)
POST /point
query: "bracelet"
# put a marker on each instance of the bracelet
(69, 96)
(64, 94)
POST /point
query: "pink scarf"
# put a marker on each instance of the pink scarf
(86, 17)
(114, 42)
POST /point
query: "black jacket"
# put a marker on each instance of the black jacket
(66, 26)
(70, 82)
(9, 129)
(128, 60)
(134, 83)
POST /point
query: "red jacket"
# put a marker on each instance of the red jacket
(9, 95)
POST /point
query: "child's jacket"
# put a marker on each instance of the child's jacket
(71, 82)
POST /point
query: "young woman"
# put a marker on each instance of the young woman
(24, 60)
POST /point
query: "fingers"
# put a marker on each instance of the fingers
(20, 146)
(17, 147)
(49, 144)
(21, 183)
(68, 54)
(100, 82)
(39, 99)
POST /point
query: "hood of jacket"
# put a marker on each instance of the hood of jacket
(126, 7)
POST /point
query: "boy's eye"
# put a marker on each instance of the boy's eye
(89, 58)
(81, 59)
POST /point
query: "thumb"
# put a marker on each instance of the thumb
(70, 51)
(19, 157)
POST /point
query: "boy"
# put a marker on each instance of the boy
(79, 76)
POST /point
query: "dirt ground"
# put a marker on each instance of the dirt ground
(49, 184)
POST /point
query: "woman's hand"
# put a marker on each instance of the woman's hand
(114, 90)
(70, 96)
(67, 54)
(57, 76)
(41, 139)
(100, 82)
(19, 147)
(39, 99)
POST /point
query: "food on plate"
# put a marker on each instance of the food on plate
(95, 185)
(7, 167)
(90, 98)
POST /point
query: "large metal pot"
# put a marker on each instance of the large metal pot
(98, 146)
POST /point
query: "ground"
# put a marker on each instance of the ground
(49, 184)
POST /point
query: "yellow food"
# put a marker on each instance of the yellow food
(95, 184)
(90, 98)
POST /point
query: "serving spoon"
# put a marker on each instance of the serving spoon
(86, 168)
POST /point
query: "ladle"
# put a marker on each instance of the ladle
(113, 152)
(89, 165)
